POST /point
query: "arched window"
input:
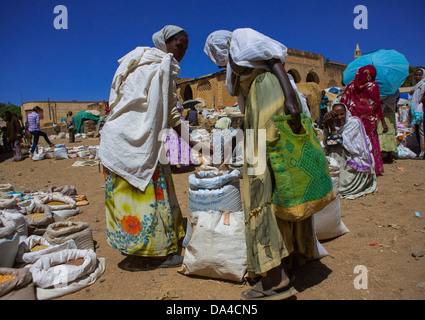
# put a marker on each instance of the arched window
(187, 93)
(204, 85)
(312, 77)
(295, 74)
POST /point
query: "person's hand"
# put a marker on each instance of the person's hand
(295, 122)
(384, 127)
(328, 119)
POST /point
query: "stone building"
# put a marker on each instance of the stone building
(53, 111)
(302, 65)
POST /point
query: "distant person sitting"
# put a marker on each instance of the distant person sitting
(33, 124)
(70, 124)
(192, 116)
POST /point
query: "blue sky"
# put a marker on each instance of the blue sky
(40, 62)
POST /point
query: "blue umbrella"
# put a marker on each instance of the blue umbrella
(391, 66)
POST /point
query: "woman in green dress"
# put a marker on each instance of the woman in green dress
(255, 73)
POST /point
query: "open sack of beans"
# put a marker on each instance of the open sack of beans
(9, 242)
(16, 284)
(65, 272)
(62, 231)
(38, 216)
(34, 247)
(61, 205)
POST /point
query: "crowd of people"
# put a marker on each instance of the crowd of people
(143, 215)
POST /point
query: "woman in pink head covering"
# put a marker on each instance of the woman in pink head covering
(361, 96)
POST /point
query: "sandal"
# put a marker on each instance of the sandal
(280, 294)
(171, 261)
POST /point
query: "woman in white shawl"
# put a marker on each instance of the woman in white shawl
(346, 141)
(255, 73)
(143, 217)
(417, 109)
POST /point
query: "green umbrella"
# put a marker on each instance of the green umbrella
(190, 103)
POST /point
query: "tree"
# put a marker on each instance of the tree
(10, 107)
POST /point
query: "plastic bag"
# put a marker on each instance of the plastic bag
(218, 247)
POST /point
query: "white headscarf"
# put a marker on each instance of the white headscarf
(216, 47)
(248, 48)
(164, 34)
(356, 142)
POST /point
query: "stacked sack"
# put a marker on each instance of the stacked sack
(42, 257)
(215, 236)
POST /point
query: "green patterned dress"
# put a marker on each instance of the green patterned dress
(147, 223)
(269, 239)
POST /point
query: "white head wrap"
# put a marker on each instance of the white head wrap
(164, 34)
(248, 48)
(355, 142)
(216, 47)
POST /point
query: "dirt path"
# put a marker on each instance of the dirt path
(385, 219)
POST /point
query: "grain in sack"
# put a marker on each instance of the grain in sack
(62, 231)
(16, 284)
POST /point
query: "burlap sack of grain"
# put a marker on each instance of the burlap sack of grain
(38, 216)
(80, 232)
(20, 287)
(30, 250)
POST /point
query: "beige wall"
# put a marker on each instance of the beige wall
(54, 111)
(304, 66)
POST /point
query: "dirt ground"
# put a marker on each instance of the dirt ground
(384, 232)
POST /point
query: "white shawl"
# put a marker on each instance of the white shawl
(142, 94)
(356, 143)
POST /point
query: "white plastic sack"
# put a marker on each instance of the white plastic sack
(212, 179)
(328, 223)
(218, 247)
(334, 170)
(21, 223)
(85, 281)
(6, 187)
(9, 242)
(319, 250)
(404, 152)
(38, 154)
(51, 270)
(61, 153)
(7, 203)
(24, 254)
(212, 190)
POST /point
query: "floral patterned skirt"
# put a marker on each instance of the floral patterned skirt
(143, 223)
